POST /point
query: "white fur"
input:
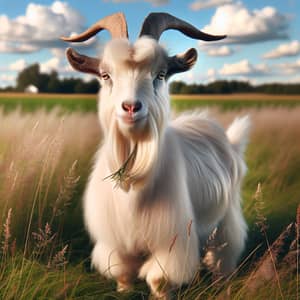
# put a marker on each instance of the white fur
(183, 183)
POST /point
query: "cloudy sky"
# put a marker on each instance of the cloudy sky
(263, 43)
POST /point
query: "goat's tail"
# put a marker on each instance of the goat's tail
(238, 133)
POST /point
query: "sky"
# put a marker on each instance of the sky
(262, 44)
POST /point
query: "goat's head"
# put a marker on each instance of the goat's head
(134, 92)
(134, 102)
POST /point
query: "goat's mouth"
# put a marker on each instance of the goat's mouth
(131, 119)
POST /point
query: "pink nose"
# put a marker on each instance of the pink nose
(131, 107)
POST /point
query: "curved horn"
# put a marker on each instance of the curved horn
(115, 24)
(156, 23)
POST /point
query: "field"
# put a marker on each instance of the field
(46, 148)
(88, 103)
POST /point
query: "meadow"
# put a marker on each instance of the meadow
(47, 144)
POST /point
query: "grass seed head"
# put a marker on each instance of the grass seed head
(7, 233)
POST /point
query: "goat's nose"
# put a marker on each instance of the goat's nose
(131, 107)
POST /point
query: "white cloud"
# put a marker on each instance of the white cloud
(53, 64)
(289, 49)
(18, 65)
(292, 80)
(244, 26)
(40, 27)
(244, 68)
(218, 50)
(56, 63)
(154, 2)
(12, 47)
(7, 78)
(211, 72)
(58, 52)
(289, 68)
(202, 4)
(212, 75)
(158, 2)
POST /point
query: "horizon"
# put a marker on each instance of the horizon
(262, 44)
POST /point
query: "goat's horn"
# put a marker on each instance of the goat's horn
(115, 24)
(156, 23)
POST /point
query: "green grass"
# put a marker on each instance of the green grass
(236, 104)
(45, 160)
(32, 103)
(88, 103)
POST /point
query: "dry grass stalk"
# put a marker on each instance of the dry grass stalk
(43, 237)
(270, 265)
(59, 260)
(66, 190)
(211, 243)
(173, 242)
(261, 220)
(291, 260)
(6, 233)
(267, 269)
(189, 227)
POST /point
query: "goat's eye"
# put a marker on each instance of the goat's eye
(105, 76)
(161, 75)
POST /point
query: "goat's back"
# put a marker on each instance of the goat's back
(214, 168)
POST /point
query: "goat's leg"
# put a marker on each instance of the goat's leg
(111, 264)
(227, 243)
(168, 268)
(156, 278)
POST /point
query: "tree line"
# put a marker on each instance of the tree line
(233, 86)
(51, 83)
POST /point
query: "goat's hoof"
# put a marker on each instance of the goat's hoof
(123, 284)
(165, 296)
(160, 289)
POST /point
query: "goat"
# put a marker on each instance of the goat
(173, 182)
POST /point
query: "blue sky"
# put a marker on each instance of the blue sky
(263, 43)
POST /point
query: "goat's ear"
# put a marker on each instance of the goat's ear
(83, 63)
(182, 62)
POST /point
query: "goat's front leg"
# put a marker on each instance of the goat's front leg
(107, 260)
(156, 276)
(171, 266)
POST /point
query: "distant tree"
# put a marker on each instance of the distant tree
(218, 87)
(240, 86)
(30, 75)
(278, 88)
(91, 87)
(7, 89)
(53, 85)
(176, 87)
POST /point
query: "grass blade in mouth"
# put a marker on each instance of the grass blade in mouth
(122, 175)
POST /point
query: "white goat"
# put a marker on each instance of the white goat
(179, 180)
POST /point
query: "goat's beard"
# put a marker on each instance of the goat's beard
(136, 155)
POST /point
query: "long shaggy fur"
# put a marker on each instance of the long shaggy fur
(183, 183)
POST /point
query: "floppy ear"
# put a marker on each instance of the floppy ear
(83, 63)
(182, 62)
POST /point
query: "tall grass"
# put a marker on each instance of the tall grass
(45, 159)
(44, 162)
